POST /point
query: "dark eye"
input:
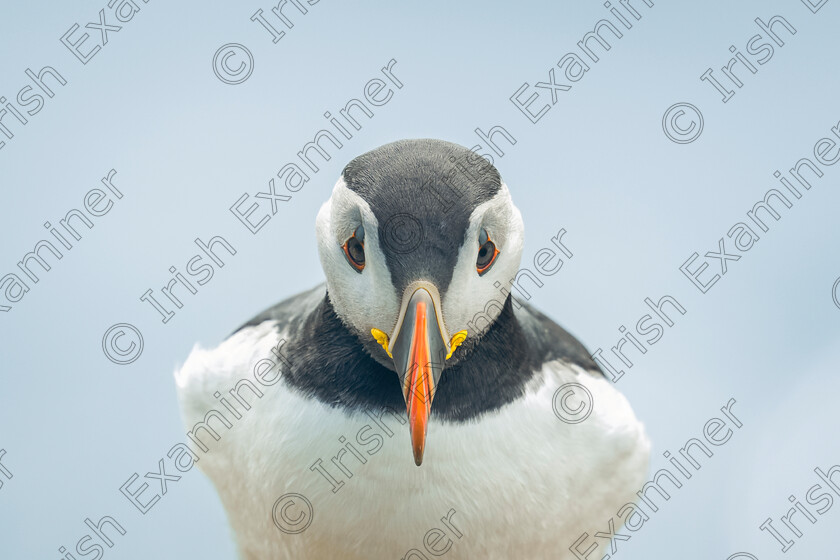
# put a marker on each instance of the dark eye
(487, 253)
(354, 249)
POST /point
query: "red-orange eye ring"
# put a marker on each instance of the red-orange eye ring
(487, 253)
(354, 249)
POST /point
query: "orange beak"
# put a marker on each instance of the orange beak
(419, 352)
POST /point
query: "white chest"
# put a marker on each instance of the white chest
(517, 483)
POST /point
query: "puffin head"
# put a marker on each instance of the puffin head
(415, 241)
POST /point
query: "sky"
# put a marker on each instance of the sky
(156, 105)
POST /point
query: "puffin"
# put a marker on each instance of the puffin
(406, 407)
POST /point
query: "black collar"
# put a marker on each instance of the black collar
(331, 364)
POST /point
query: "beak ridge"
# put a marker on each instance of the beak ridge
(419, 353)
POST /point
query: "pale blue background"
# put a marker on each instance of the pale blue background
(635, 204)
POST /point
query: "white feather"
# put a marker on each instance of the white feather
(523, 483)
(468, 294)
(367, 300)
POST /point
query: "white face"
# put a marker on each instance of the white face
(369, 300)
